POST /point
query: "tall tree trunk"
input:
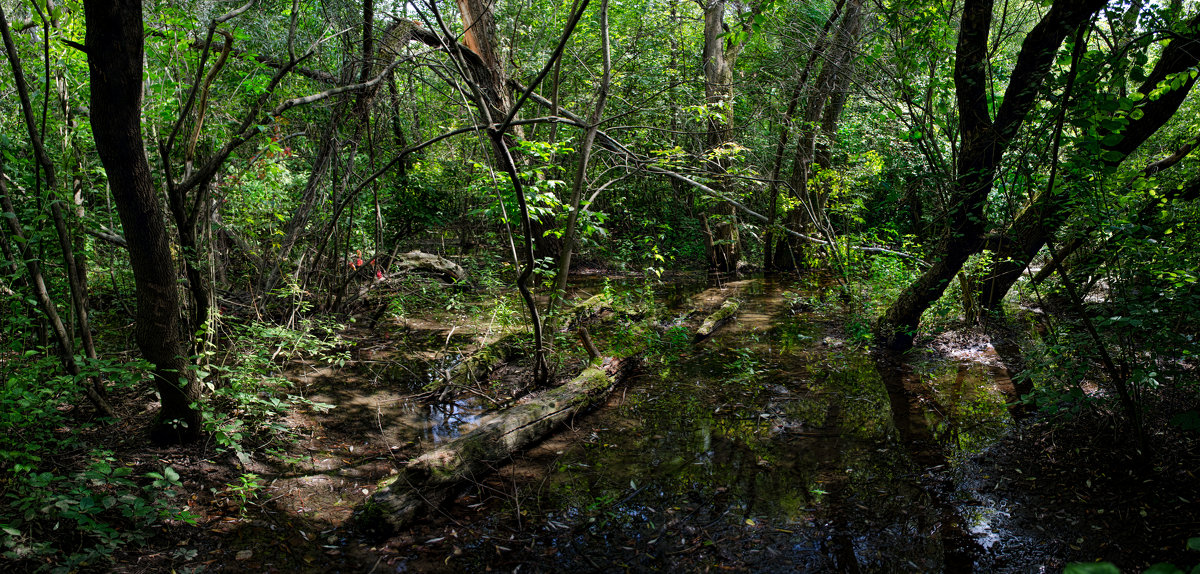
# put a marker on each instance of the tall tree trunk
(490, 80)
(721, 241)
(585, 154)
(814, 53)
(42, 295)
(822, 107)
(984, 142)
(114, 45)
(73, 265)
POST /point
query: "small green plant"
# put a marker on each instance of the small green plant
(244, 490)
(104, 506)
(248, 394)
(1110, 568)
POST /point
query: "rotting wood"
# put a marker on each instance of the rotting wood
(448, 270)
(719, 317)
(431, 479)
(591, 307)
(594, 307)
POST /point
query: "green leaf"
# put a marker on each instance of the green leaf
(1112, 140)
(1193, 543)
(1091, 568)
(170, 474)
(1163, 568)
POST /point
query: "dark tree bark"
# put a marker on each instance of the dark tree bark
(115, 46)
(984, 143)
(1052, 208)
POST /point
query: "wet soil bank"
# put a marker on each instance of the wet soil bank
(778, 444)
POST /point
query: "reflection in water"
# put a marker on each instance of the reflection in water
(769, 422)
(449, 421)
(772, 434)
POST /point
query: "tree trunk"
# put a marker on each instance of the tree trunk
(75, 277)
(1051, 209)
(984, 142)
(42, 295)
(801, 87)
(585, 154)
(114, 45)
(823, 103)
(722, 244)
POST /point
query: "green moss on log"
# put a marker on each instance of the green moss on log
(728, 309)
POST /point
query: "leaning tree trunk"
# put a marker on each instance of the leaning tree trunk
(984, 142)
(1052, 208)
(114, 45)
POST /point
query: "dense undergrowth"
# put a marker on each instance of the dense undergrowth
(73, 495)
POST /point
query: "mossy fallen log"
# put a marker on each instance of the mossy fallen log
(591, 307)
(603, 307)
(434, 477)
(719, 317)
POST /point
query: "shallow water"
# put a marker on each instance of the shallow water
(773, 445)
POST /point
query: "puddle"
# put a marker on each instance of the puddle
(448, 421)
(777, 434)
(773, 445)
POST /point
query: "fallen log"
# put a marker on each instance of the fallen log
(434, 477)
(719, 317)
(449, 271)
(590, 307)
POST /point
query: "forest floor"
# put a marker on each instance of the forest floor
(1044, 492)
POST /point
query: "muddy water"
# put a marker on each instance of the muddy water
(774, 445)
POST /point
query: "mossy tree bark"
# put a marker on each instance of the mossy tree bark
(721, 242)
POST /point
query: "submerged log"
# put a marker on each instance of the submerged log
(719, 317)
(434, 477)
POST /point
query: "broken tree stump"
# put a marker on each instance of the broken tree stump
(434, 477)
